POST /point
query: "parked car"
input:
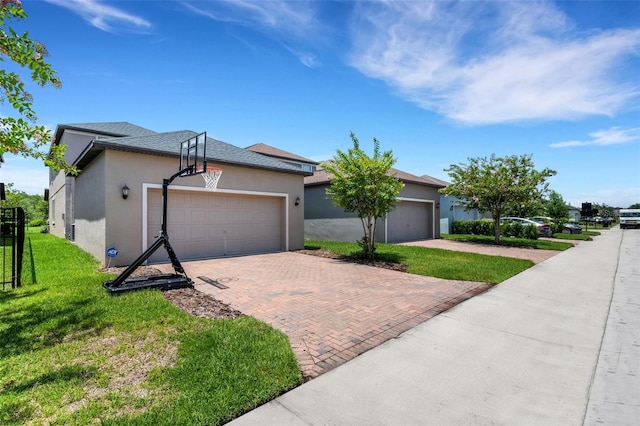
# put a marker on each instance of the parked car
(567, 228)
(543, 229)
(571, 228)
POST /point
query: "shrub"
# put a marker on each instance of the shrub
(472, 227)
(505, 229)
(37, 222)
(531, 232)
(460, 227)
(517, 230)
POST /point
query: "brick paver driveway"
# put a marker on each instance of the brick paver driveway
(331, 310)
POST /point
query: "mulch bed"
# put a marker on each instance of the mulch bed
(401, 267)
(190, 300)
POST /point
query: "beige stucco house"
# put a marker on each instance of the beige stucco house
(253, 210)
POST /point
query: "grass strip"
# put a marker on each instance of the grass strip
(432, 262)
(510, 242)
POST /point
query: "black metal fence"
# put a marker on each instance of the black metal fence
(12, 229)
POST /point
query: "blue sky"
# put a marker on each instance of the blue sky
(436, 82)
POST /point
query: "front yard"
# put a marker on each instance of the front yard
(72, 354)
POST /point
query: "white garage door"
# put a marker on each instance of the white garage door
(204, 224)
(410, 221)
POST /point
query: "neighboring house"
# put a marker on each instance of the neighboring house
(574, 214)
(252, 211)
(415, 216)
(295, 160)
(452, 209)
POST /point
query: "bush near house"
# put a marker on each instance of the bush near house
(486, 227)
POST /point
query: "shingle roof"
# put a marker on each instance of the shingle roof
(271, 151)
(119, 128)
(440, 181)
(168, 144)
(321, 177)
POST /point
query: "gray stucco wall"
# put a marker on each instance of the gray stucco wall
(124, 221)
(89, 208)
(57, 205)
(324, 221)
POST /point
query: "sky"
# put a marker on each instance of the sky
(436, 82)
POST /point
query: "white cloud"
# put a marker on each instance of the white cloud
(27, 174)
(307, 59)
(485, 63)
(283, 16)
(278, 18)
(612, 136)
(104, 17)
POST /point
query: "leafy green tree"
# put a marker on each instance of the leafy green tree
(363, 185)
(634, 206)
(603, 210)
(526, 208)
(20, 135)
(557, 209)
(496, 185)
(35, 208)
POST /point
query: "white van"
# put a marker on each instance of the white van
(629, 218)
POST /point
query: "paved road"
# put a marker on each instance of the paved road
(558, 344)
(614, 396)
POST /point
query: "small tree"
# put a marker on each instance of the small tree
(497, 184)
(363, 185)
(18, 135)
(557, 209)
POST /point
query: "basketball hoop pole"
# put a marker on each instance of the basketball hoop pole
(180, 280)
(192, 157)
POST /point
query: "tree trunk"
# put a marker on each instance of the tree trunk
(496, 225)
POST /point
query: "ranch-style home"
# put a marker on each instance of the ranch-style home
(416, 215)
(256, 207)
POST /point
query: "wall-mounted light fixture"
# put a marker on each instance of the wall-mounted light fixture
(125, 191)
(438, 206)
(297, 202)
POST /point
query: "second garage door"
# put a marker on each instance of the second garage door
(204, 224)
(410, 221)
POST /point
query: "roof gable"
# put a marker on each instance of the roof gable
(120, 128)
(321, 177)
(168, 144)
(271, 151)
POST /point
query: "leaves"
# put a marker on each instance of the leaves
(362, 184)
(497, 185)
(17, 135)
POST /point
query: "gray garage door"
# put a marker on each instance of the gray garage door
(204, 224)
(410, 221)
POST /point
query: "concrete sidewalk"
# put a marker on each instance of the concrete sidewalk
(532, 350)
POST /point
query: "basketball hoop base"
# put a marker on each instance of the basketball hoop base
(161, 282)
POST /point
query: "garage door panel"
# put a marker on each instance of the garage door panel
(410, 221)
(206, 224)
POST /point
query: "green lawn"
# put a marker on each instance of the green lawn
(72, 354)
(512, 242)
(438, 263)
(576, 237)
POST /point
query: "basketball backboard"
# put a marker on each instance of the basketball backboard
(193, 155)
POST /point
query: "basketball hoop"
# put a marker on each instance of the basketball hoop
(211, 177)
